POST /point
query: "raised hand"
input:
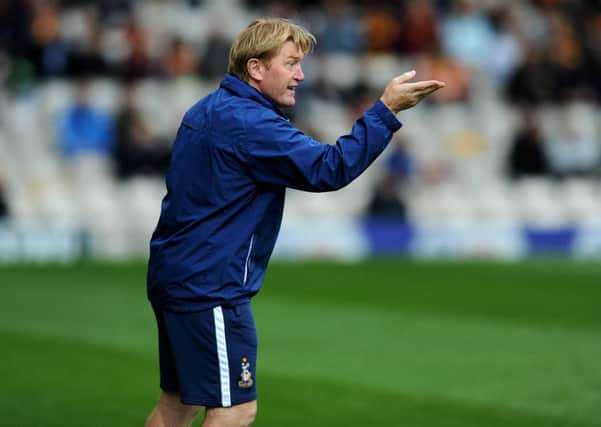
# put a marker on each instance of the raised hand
(401, 95)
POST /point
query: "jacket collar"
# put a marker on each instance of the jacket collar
(244, 90)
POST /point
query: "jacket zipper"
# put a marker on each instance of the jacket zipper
(250, 248)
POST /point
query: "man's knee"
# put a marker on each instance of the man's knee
(242, 415)
(170, 403)
(250, 413)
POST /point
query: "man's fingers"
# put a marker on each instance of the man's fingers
(424, 88)
(426, 92)
(405, 77)
(426, 85)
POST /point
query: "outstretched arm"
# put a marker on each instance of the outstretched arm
(280, 154)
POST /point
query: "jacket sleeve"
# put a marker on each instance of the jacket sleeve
(279, 154)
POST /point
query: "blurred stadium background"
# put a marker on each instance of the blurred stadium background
(504, 164)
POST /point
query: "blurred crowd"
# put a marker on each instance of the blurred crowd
(527, 70)
(538, 51)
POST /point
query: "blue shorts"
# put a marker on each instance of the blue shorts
(209, 356)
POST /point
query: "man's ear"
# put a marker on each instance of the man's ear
(254, 67)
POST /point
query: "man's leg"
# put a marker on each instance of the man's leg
(170, 412)
(209, 357)
(242, 415)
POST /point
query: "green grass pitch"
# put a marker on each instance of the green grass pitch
(380, 343)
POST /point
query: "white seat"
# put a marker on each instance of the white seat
(105, 94)
(537, 203)
(152, 99)
(143, 197)
(181, 94)
(379, 69)
(341, 70)
(580, 201)
(442, 204)
(54, 97)
(331, 120)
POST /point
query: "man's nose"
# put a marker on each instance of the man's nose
(299, 75)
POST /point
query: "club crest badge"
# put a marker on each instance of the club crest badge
(246, 379)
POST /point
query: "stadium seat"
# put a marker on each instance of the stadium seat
(143, 196)
(537, 203)
(341, 70)
(106, 94)
(379, 69)
(580, 201)
(157, 115)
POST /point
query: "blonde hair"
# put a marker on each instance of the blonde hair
(262, 39)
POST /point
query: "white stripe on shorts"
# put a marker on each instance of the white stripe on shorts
(224, 369)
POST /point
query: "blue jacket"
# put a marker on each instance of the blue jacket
(234, 155)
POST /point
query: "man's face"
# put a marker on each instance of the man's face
(282, 75)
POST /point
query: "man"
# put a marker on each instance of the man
(234, 155)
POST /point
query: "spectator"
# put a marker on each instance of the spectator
(382, 28)
(567, 56)
(435, 65)
(592, 45)
(418, 29)
(387, 200)
(180, 59)
(507, 48)
(216, 56)
(138, 63)
(467, 35)
(83, 128)
(85, 58)
(527, 156)
(137, 151)
(340, 30)
(399, 163)
(530, 24)
(534, 81)
(15, 27)
(4, 213)
(49, 53)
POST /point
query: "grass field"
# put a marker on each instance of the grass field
(384, 343)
